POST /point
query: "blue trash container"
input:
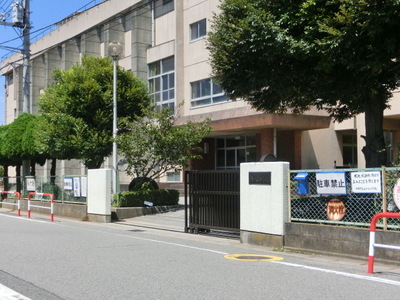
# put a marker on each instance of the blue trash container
(302, 183)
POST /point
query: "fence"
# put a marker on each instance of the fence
(344, 196)
(70, 189)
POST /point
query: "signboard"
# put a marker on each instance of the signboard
(77, 187)
(366, 182)
(335, 209)
(30, 184)
(396, 193)
(263, 178)
(68, 184)
(83, 186)
(331, 183)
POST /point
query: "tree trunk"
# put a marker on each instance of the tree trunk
(375, 149)
(53, 171)
(19, 177)
(33, 168)
(6, 179)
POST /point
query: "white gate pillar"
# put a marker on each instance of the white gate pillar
(99, 195)
(264, 196)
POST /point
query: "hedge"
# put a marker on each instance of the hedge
(138, 198)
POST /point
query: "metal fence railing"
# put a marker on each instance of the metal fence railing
(65, 188)
(213, 200)
(348, 197)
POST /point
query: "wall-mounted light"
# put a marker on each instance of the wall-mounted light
(206, 148)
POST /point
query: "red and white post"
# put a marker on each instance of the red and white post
(372, 244)
(18, 204)
(51, 208)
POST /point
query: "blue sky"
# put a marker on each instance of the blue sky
(43, 14)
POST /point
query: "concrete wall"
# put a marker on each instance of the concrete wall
(69, 210)
(338, 240)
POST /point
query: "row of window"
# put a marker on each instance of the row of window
(230, 153)
(162, 86)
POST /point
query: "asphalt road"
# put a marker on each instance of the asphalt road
(151, 258)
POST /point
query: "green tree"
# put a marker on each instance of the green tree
(78, 109)
(152, 145)
(18, 143)
(339, 55)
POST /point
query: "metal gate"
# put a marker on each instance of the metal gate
(212, 200)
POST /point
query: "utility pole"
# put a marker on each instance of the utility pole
(20, 17)
(26, 52)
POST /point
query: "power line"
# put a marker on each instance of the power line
(131, 10)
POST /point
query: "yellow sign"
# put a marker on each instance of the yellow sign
(253, 257)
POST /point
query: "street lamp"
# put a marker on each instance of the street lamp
(115, 50)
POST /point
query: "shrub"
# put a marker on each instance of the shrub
(137, 198)
(142, 183)
(50, 188)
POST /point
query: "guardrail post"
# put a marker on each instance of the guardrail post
(18, 200)
(372, 233)
(45, 207)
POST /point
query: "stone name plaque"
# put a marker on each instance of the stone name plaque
(261, 178)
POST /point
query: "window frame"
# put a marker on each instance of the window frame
(162, 82)
(199, 28)
(245, 144)
(199, 96)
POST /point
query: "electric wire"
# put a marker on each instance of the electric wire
(90, 30)
(40, 31)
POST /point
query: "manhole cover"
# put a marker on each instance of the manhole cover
(252, 257)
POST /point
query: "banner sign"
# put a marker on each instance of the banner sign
(331, 183)
(366, 182)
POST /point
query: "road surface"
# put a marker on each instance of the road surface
(151, 258)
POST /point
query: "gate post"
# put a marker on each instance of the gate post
(99, 195)
(264, 202)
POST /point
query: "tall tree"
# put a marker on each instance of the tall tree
(78, 109)
(338, 55)
(153, 145)
(18, 143)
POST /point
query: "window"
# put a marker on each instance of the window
(232, 151)
(173, 176)
(163, 7)
(349, 145)
(162, 82)
(198, 30)
(205, 92)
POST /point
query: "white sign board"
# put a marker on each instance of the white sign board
(68, 184)
(30, 185)
(77, 187)
(331, 183)
(83, 186)
(396, 193)
(366, 182)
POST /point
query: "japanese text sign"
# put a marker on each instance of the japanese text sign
(366, 182)
(331, 183)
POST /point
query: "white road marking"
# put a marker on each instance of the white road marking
(9, 294)
(344, 274)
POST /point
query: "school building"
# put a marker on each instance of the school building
(164, 42)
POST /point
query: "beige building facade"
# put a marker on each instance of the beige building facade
(165, 44)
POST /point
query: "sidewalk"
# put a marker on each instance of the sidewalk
(173, 220)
